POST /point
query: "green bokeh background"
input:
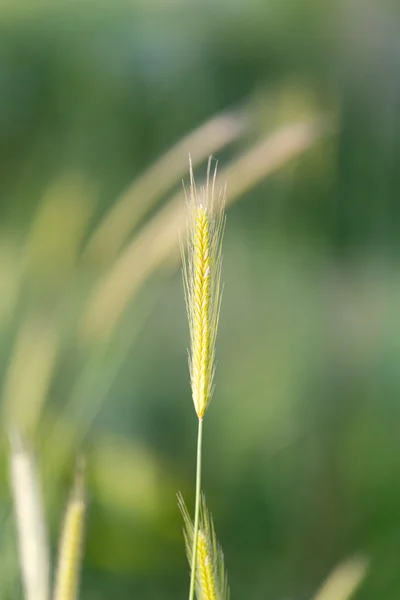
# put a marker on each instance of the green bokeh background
(302, 444)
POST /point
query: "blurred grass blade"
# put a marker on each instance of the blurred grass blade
(30, 521)
(156, 241)
(65, 208)
(29, 374)
(344, 580)
(10, 277)
(211, 577)
(71, 542)
(10, 568)
(143, 194)
(99, 371)
(273, 152)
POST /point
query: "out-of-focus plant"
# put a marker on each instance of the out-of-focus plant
(66, 585)
(69, 289)
(30, 521)
(343, 582)
(34, 559)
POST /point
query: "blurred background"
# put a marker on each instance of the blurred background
(100, 104)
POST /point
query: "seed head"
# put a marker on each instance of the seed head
(202, 282)
(211, 576)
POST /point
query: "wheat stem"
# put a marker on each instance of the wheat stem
(196, 510)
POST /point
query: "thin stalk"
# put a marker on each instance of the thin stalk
(196, 510)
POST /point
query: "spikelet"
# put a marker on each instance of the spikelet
(71, 542)
(211, 579)
(202, 283)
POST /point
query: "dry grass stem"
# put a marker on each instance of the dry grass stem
(30, 522)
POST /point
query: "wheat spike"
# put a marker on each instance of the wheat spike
(211, 580)
(202, 283)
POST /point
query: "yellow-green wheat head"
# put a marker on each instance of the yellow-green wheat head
(211, 578)
(202, 282)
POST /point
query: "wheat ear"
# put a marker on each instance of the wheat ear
(71, 541)
(211, 579)
(202, 283)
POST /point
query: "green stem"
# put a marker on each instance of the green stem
(196, 510)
